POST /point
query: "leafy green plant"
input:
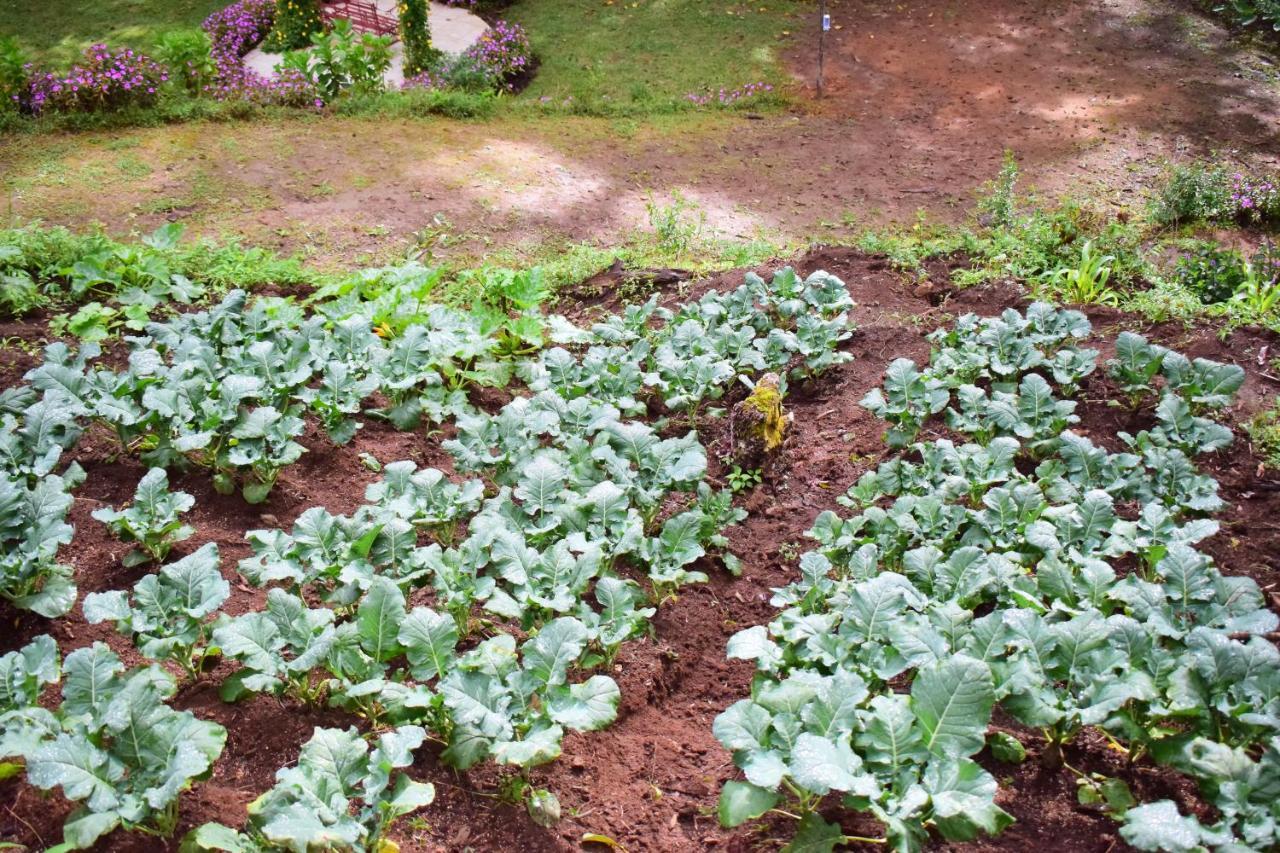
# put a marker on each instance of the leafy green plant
(13, 73)
(32, 528)
(277, 648)
(1211, 273)
(187, 53)
(152, 520)
(1085, 283)
(167, 617)
(415, 34)
(1264, 432)
(507, 306)
(1258, 294)
(999, 203)
(1249, 12)
(113, 746)
(24, 673)
(1193, 192)
(1136, 365)
(906, 401)
(741, 481)
(677, 226)
(295, 23)
(342, 60)
(341, 793)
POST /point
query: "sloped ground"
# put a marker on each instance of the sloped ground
(922, 99)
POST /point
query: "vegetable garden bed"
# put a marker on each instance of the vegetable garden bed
(652, 779)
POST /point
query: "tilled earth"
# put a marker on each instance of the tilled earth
(651, 780)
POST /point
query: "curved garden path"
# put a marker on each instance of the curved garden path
(453, 30)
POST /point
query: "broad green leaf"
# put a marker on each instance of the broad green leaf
(742, 801)
(952, 701)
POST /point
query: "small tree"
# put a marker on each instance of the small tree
(415, 32)
(295, 22)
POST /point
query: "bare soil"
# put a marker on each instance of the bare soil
(650, 781)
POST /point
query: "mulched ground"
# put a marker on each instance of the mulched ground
(651, 780)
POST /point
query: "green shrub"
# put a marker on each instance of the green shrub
(187, 55)
(342, 60)
(998, 204)
(414, 102)
(1195, 192)
(13, 73)
(296, 22)
(1211, 273)
(415, 33)
(1249, 12)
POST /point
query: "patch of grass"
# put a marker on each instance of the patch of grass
(55, 32)
(1264, 433)
(652, 52)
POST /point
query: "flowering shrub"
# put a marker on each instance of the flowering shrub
(491, 64)
(425, 80)
(1211, 273)
(1255, 199)
(236, 30)
(105, 79)
(725, 97)
(500, 55)
(415, 33)
(295, 22)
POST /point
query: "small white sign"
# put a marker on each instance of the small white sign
(826, 23)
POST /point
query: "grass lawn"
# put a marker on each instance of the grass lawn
(660, 49)
(55, 32)
(605, 52)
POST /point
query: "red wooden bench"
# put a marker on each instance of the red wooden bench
(363, 15)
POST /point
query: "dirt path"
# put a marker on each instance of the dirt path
(1081, 90)
(922, 99)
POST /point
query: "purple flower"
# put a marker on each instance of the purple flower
(103, 80)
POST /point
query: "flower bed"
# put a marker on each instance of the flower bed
(105, 79)
(1257, 199)
(235, 31)
(495, 62)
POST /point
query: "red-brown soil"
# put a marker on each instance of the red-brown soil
(651, 780)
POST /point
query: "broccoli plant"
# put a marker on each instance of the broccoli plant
(23, 675)
(152, 521)
(32, 528)
(277, 648)
(337, 398)
(168, 615)
(908, 399)
(1136, 365)
(340, 795)
(620, 618)
(114, 746)
(34, 499)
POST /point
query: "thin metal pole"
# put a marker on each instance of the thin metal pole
(822, 42)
